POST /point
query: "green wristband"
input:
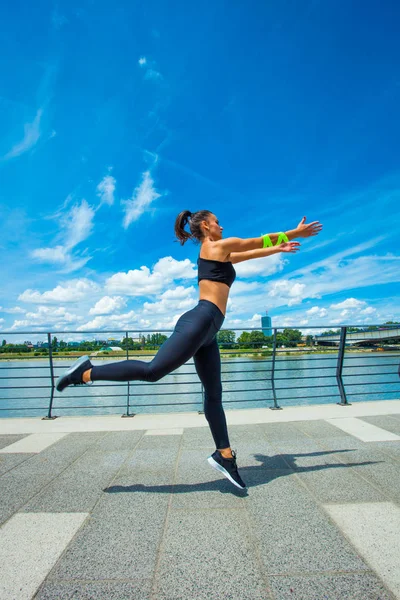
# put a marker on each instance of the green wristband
(266, 241)
(282, 238)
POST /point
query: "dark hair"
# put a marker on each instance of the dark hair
(194, 220)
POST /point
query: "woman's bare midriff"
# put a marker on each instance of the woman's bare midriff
(214, 291)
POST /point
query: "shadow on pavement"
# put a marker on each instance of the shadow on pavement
(271, 467)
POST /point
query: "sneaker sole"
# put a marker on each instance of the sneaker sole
(218, 467)
(72, 368)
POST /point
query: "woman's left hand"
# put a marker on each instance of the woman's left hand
(289, 246)
(308, 230)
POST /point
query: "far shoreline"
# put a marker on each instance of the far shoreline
(297, 353)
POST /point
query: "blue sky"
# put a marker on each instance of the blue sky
(115, 117)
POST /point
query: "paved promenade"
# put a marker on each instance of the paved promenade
(112, 508)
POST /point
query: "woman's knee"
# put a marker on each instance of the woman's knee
(153, 375)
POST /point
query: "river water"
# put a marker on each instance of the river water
(299, 381)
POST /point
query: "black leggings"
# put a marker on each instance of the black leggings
(194, 336)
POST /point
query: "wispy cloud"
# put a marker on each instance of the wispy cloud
(106, 189)
(76, 226)
(141, 200)
(31, 137)
(150, 69)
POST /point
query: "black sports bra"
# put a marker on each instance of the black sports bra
(216, 270)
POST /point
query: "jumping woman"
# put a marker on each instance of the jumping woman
(195, 333)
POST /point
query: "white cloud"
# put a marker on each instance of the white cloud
(30, 139)
(141, 199)
(12, 311)
(107, 305)
(288, 292)
(368, 311)
(264, 267)
(74, 290)
(106, 189)
(77, 225)
(57, 254)
(143, 282)
(177, 299)
(175, 269)
(151, 72)
(241, 287)
(349, 303)
(315, 311)
(127, 321)
(57, 317)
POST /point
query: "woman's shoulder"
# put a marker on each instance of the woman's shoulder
(213, 251)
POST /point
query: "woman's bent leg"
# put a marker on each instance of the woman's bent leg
(190, 332)
(208, 366)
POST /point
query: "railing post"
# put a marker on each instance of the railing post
(275, 406)
(49, 415)
(339, 367)
(128, 414)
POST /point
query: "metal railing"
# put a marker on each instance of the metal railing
(265, 381)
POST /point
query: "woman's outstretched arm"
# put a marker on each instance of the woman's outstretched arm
(236, 257)
(303, 230)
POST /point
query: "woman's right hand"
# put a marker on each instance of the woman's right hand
(289, 247)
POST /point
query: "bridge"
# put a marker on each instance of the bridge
(362, 337)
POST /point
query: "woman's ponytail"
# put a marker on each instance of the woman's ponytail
(181, 220)
(194, 220)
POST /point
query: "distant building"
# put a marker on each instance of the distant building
(111, 349)
(266, 324)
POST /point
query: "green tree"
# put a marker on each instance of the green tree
(244, 340)
(226, 338)
(4, 342)
(54, 343)
(257, 339)
(289, 338)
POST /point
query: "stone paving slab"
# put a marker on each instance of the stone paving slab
(28, 478)
(217, 560)
(120, 541)
(321, 430)
(375, 466)
(329, 479)
(7, 440)
(164, 525)
(388, 422)
(293, 534)
(9, 461)
(79, 487)
(330, 587)
(198, 485)
(134, 589)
